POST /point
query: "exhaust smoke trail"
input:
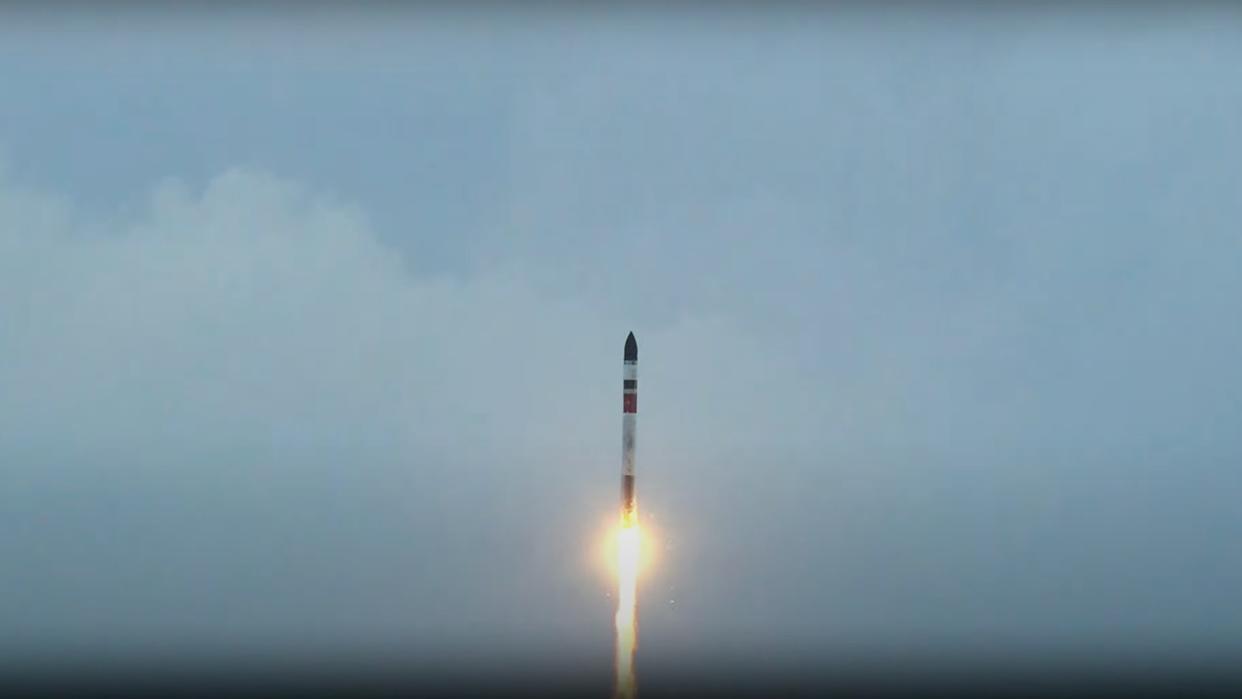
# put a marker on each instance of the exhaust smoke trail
(628, 555)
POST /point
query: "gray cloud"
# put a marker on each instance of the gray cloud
(936, 325)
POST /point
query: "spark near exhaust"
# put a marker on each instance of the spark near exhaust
(627, 536)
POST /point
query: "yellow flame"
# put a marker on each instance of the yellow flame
(628, 559)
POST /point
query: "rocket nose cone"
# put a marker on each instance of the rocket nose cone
(631, 348)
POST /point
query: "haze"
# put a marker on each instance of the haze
(311, 329)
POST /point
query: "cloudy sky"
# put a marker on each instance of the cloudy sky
(311, 324)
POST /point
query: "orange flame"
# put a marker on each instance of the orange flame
(628, 559)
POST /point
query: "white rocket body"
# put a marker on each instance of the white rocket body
(629, 419)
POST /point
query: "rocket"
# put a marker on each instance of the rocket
(629, 416)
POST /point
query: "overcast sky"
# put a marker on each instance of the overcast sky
(311, 328)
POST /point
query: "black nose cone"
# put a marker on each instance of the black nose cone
(631, 348)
